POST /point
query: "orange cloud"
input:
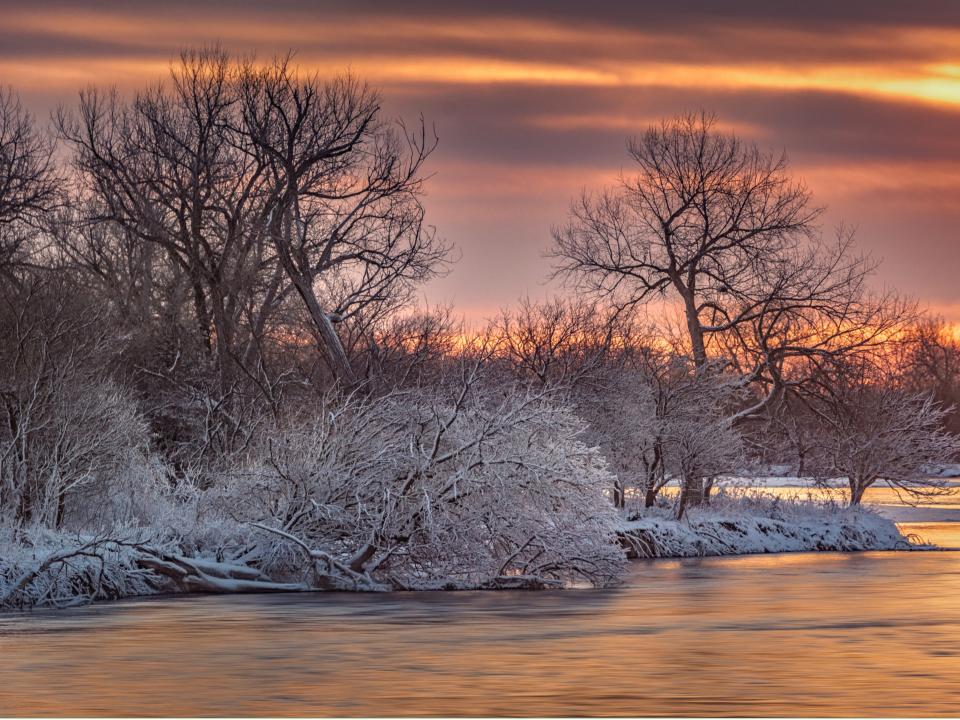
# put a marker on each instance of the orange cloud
(492, 50)
(508, 163)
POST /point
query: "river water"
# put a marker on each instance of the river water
(801, 634)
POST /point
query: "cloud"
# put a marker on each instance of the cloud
(533, 101)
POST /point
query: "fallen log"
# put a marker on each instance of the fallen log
(197, 575)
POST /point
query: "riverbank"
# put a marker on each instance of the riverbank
(48, 569)
(748, 525)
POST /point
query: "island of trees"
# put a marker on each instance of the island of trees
(214, 376)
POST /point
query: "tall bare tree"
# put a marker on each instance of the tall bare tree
(719, 226)
(169, 169)
(28, 177)
(345, 186)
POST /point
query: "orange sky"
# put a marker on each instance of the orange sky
(533, 101)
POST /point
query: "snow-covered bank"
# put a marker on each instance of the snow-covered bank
(751, 525)
(58, 570)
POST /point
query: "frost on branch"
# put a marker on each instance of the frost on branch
(448, 487)
(876, 432)
(57, 569)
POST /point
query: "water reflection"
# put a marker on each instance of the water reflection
(808, 634)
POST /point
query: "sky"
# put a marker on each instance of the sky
(534, 101)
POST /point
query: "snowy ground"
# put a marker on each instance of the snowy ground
(742, 523)
(771, 515)
(886, 501)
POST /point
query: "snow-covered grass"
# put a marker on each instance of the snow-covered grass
(743, 522)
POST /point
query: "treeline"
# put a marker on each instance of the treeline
(206, 306)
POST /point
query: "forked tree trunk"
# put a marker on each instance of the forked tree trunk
(857, 488)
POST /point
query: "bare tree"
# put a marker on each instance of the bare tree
(719, 227)
(65, 424)
(213, 206)
(170, 169)
(346, 220)
(930, 362)
(28, 177)
(872, 430)
(722, 228)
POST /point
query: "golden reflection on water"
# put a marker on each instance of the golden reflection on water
(801, 634)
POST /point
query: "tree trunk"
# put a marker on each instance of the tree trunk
(654, 476)
(302, 280)
(857, 489)
(682, 507)
(692, 493)
(619, 495)
(24, 512)
(707, 489)
(61, 509)
(651, 495)
(223, 341)
(203, 316)
(697, 343)
(328, 334)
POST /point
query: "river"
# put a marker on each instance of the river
(873, 633)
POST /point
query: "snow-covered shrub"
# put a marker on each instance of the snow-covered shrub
(872, 431)
(65, 426)
(136, 492)
(47, 568)
(462, 484)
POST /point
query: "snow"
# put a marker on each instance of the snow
(735, 523)
(745, 526)
(950, 470)
(49, 569)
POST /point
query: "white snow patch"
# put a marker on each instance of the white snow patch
(759, 525)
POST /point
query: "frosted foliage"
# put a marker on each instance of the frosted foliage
(872, 433)
(440, 488)
(65, 427)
